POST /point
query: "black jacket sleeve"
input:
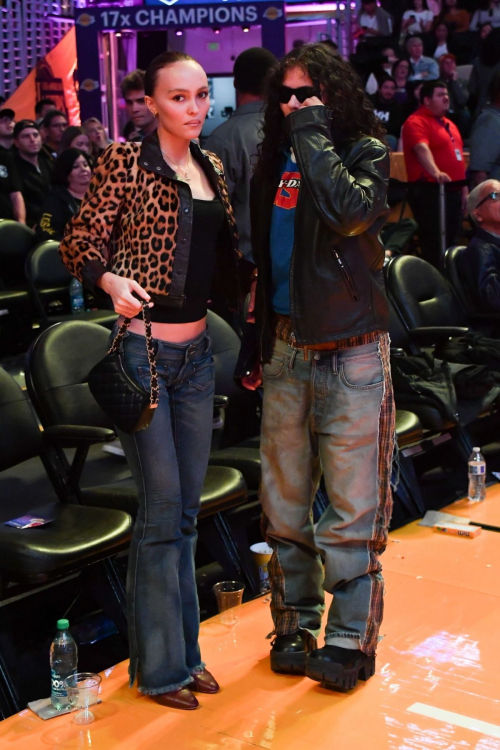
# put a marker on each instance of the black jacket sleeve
(55, 216)
(488, 277)
(349, 201)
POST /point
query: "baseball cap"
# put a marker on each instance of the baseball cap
(22, 125)
(7, 113)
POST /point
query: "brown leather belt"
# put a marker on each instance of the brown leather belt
(282, 329)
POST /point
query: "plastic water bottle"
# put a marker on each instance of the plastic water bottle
(76, 298)
(477, 476)
(63, 663)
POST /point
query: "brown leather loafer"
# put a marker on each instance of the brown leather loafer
(182, 698)
(204, 682)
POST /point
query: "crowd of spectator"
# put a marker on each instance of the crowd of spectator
(46, 167)
(413, 41)
(431, 69)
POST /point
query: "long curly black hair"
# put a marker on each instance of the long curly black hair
(352, 111)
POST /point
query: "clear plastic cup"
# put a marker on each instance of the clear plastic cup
(83, 691)
(229, 595)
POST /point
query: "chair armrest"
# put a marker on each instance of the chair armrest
(428, 335)
(219, 418)
(221, 402)
(76, 436)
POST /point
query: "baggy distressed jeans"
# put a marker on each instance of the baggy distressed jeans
(333, 413)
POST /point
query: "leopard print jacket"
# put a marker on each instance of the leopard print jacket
(136, 217)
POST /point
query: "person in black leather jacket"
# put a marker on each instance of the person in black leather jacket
(318, 203)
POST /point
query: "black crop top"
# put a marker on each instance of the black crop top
(208, 222)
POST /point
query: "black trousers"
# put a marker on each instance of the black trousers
(423, 198)
(396, 236)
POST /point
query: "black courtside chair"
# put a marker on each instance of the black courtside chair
(16, 242)
(49, 280)
(77, 540)
(425, 310)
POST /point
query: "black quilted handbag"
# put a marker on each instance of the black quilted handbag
(126, 403)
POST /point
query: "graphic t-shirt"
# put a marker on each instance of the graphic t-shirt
(282, 234)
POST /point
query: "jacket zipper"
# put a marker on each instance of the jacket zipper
(347, 277)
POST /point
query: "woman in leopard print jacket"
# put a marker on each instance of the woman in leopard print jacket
(157, 225)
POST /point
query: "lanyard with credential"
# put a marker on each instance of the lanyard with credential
(446, 126)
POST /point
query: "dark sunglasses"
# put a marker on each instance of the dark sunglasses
(285, 93)
(490, 196)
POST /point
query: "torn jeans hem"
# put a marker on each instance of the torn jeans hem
(343, 641)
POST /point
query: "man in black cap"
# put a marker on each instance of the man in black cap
(7, 117)
(33, 171)
(236, 140)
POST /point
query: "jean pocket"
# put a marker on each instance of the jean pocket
(273, 369)
(143, 377)
(203, 375)
(362, 372)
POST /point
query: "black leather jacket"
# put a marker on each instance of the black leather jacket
(479, 269)
(336, 281)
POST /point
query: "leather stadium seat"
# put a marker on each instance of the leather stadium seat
(49, 280)
(408, 428)
(16, 241)
(77, 533)
(453, 260)
(425, 310)
(76, 538)
(416, 302)
(421, 295)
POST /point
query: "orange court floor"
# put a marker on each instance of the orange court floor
(437, 684)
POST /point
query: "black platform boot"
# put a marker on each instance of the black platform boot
(339, 668)
(288, 653)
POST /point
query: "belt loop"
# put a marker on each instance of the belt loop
(334, 363)
(306, 354)
(291, 361)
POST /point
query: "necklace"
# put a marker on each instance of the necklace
(183, 172)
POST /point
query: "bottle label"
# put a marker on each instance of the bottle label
(57, 685)
(476, 469)
(57, 688)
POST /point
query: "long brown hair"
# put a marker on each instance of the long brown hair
(352, 112)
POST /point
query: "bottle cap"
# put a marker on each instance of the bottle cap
(476, 450)
(62, 624)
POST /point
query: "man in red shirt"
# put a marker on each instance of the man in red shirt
(433, 151)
